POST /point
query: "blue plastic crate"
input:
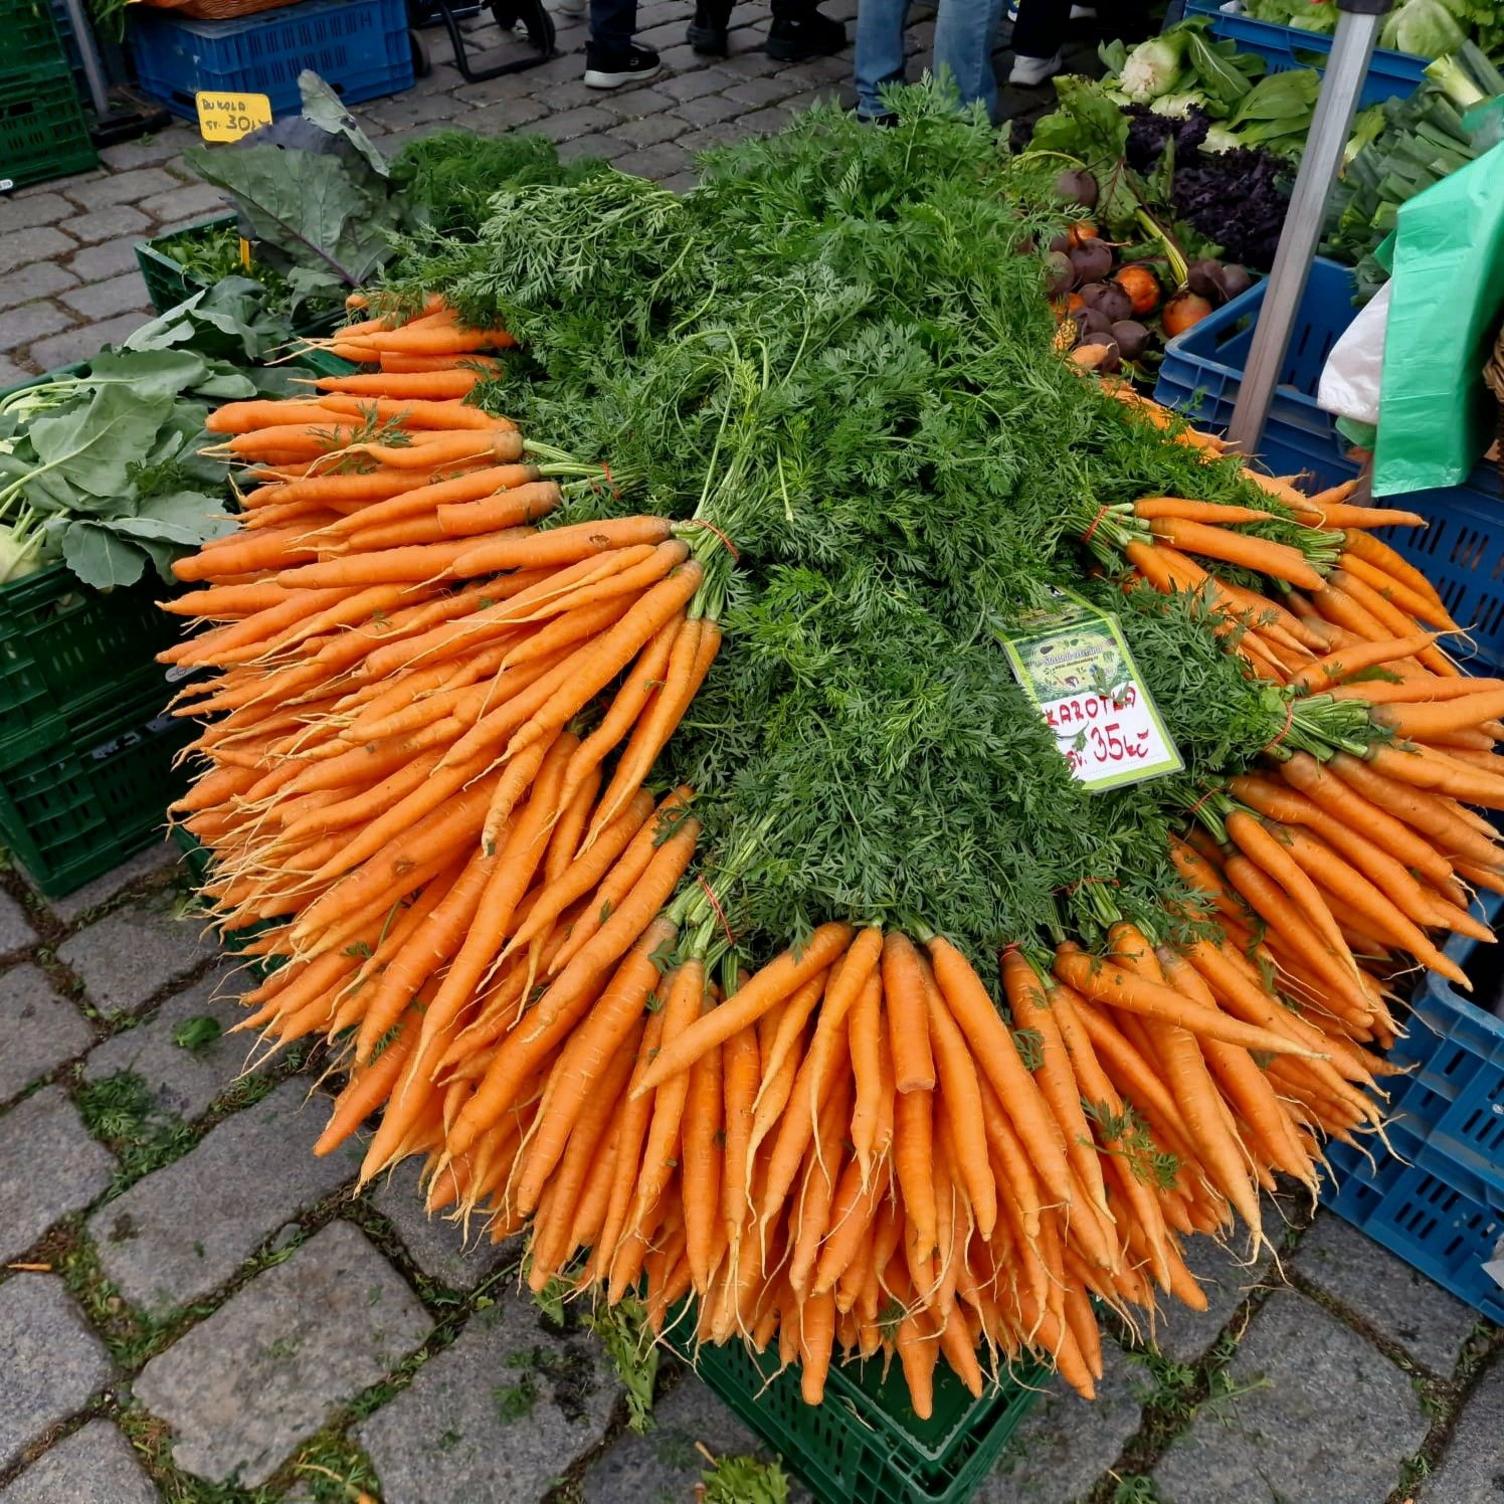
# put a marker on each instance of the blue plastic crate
(1451, 1104)
(1391, 75)
(1446, 1226)
(1440, 1204)
(1462, 549)
(359, 47)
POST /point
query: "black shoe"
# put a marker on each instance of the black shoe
(887, 121)
(610, 70)
(707, 38)
(810, 36)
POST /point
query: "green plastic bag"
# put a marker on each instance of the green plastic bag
(1436, 417)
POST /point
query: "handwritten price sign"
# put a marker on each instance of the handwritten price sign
(1078, 671)
(229, 116)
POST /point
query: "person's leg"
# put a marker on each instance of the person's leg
(611, 57)
(964, 32)
(800, 31)
(1040, 28)
(709, 32)
(879, 52)
(1037, 38)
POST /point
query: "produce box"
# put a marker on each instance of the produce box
(359, 47)
(1462, 549)
(168, 282)
(1440, 1204)
(96, 793)
(1391, 75)
(66, 649)
(864, 1442)
(42, 130)
(33, 48)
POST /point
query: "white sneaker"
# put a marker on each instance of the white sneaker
(1083, 13)
(1030, 72)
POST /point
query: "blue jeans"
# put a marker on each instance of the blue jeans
(964, 30)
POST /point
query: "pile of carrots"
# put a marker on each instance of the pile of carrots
(477, 902)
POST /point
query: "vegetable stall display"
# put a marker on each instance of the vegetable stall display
(660, 840)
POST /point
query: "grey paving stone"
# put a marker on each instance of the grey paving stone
(15, 931)
(1398, 1303)
(149, 151)
(1064, 1443)
(1472, 1467)
(437, 1246)
(570, 94)
(660, 161)
(506, 115)
(11, 373)
(412, 108)
(185, 1229)
(40, 279)
(1316, 1416)
(107, 259)
(500, 1415)
(99, 300)
(681, 182)
(120, 187)
(49, 1166)
(106, 224)
(19, 326)
(767, 121)
(663, 1464)
(40, 1029)
(708, 109)
(650, 130)
(39, 243)
(132, 954)
(41, 209)
(184, 201)
(579, 121)
(158, 860)
(606, 148)
(1226, 1277)
(84, 341)
(757, 92)
(183, 1081)
(95, 1465)
(242, 1388)
(691, 85)
(53, 1362)
(633, 104)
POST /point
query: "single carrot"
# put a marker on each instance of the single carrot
(904, 992)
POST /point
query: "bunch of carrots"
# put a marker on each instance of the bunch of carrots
(429, 727)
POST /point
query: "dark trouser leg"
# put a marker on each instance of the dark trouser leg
(1041, 27)
(612, 23)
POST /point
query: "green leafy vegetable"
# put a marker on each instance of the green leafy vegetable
(745, 1480)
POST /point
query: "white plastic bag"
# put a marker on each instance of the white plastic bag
(1352, 375)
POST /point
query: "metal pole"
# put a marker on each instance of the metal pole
(83, 36)
(1358, 26)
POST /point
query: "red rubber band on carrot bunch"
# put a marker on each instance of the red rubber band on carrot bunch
(1285, 729)
(720, 913)
(731, 548)
(1096, 522)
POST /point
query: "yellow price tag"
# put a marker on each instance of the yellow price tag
(245, 253)
(224, 116)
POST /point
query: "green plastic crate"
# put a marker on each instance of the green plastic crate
(864, 1444)
(67, 650)
(80, 807)
(42, 130)
(167, 283)
(33, 48)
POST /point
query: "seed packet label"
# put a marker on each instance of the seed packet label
(1076, 668)
(224, 116)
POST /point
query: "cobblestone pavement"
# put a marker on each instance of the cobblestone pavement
(195, 1309)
